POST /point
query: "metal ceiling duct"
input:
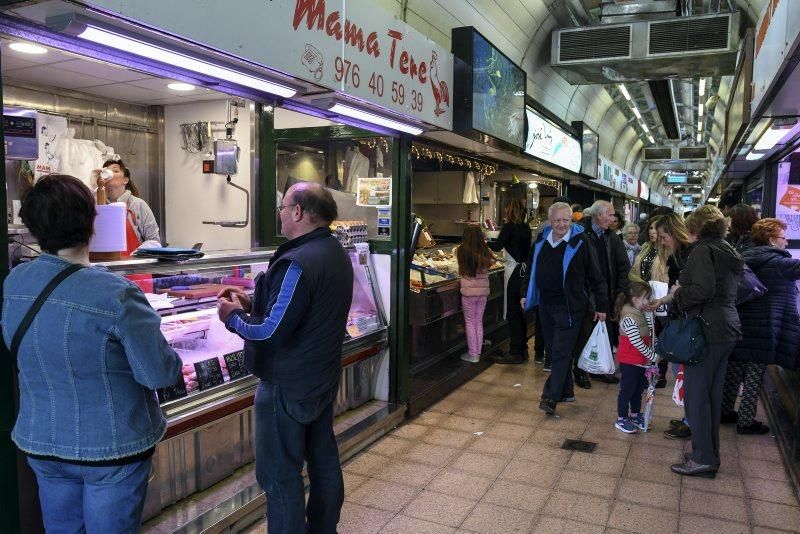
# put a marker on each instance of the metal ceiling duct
(678, 47)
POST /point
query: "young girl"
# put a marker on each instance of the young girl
(634, 353)
(474, 259)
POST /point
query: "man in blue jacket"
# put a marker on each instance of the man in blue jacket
(294, 328)
(563, 269)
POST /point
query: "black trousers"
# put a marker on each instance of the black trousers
(517, 330)
(632, 384)
(559, 331)
(703, 386)
(538, 339)
(583, 335)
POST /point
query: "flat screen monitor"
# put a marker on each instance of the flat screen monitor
(673, 179)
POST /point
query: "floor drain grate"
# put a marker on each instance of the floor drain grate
(578, 445)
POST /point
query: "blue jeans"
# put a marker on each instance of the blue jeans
(79, 498)
(632, 384)
(287, 433)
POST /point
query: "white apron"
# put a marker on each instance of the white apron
(511, 264)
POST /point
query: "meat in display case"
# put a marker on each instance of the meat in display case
(209, 409)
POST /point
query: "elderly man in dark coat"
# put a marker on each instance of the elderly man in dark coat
(770, 325)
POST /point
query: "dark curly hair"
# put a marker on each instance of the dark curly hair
(59, 211)
(743, 217)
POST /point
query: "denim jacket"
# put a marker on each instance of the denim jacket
(88, 364)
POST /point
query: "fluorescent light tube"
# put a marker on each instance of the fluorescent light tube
(770, 138)
(624, 91)
(650, 138)
(700, 109)
(645, 128)
(366, 116)
(702, 89)
(636, 112)
(140, 48)
(754, 156)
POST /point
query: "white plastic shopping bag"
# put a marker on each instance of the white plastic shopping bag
(596, 357)
(677, 392)
(660, 289)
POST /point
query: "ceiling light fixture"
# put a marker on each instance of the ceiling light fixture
(89, 30)
(650, 138)
(645, 128)
(353, 112)
(624, 91)
(752, 156)
(774, 134)
(702, 88)
(27, 48)
(636, 112)
(700, 109)
(180, 86)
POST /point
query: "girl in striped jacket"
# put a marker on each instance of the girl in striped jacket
(635, 353)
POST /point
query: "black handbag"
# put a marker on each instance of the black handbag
(750, 287)
(682, 341)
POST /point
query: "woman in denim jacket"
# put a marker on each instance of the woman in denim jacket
(88, 417)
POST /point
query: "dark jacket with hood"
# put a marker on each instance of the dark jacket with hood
(616, 258)
(581, 275)
(770, 324)
(709, 282)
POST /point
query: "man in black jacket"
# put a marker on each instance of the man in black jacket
(294, 328)
(614, 267)
(562, 271)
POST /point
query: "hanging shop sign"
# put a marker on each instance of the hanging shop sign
(605, 172)
(787, 195)
(550, 143)
(350, 46)
(776, 34)
(590, 146)
(655, 197)
(644, 191)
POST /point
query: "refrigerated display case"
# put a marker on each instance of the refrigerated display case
(209, 410)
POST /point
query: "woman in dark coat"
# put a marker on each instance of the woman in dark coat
(707, 287)
(770, 324)
(742, 217)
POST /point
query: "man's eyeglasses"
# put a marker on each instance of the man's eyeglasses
(281, 206)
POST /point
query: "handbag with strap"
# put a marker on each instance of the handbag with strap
(37, 305)
(682, 341)
(750, 287)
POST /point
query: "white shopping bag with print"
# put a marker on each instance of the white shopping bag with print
(660, 289)
(677, 392)
(596, 357)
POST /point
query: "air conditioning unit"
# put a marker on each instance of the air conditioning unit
(684, 153)
(683, 47)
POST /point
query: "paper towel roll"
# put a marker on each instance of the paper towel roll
(109, 228)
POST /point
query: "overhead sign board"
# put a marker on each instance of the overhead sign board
(644, 191)
(550, 143)
(350, 46)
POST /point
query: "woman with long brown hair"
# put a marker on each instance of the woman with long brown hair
(474, 259)
(515, 239)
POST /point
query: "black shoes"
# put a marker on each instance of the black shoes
(509, 359)
(608, 379)
(692, 469)
(756, 427)
(688, 456)
(679, 431)
(582, 381)
(728, 418)
(548, 406)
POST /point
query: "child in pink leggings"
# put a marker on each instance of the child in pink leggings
(474, 259)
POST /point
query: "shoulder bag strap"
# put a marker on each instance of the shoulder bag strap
(36, 306)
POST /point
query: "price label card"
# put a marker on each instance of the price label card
(235, 363)
(209, 373)
(175, 391)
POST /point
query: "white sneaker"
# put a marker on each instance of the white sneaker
(469, 358)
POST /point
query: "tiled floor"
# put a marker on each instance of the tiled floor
(485, 459)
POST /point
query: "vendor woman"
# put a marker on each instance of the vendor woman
(141, 229)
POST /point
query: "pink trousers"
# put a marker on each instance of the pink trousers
(473, 320)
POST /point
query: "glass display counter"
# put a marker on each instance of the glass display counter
(209, 409)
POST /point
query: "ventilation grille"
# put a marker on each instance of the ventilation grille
(652, 154)
(595, 43)
(689, 35)
(693, 152)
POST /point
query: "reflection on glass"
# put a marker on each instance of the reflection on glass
(337, 165)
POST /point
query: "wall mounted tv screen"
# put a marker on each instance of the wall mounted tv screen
(489, 89)
(673, 179)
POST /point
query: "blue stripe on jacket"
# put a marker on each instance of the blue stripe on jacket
(265, 330)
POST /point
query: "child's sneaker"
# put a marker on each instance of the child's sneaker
(469, 358)
(625, 425)
(638, 421)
